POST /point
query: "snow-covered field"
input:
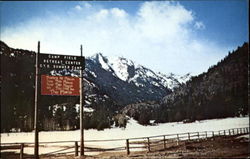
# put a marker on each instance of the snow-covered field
(132, 130)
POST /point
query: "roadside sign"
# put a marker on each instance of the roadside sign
(59, 62)
(60, 85)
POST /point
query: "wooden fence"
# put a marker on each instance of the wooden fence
(151, 143)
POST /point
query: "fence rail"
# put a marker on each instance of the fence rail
(150, 143)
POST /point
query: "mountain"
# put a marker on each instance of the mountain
(126, 83)
(109, 85)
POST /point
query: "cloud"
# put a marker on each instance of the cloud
(78, 7)
(199, 25)
(161, 35)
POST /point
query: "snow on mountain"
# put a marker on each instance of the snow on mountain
(129, 71)
(128, 82)
(121, 67)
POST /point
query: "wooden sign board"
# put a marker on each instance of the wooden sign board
(60, 85)
(59, 62)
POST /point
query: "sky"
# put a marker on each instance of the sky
(166, 36)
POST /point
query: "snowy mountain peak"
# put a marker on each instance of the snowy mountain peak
(122, 67)
(128, 71)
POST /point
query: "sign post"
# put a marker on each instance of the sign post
(58, 85)
(36, 151)
(81, 110)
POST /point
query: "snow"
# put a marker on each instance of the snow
(85, 109)
(244, 136)
(120, 67)
(89, 110)
(103, 63)
(93, 73)
(132, 130)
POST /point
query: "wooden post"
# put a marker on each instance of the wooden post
(76, 148)
(148, 144)
(164, 142)
(213, 134)
(21, 151)
(188, 137)
(127, 146)
(237, 131)
(206, 134)
(224, 132)
(37, 88)
(198, 135)
(219, 132)
(177, 139)
(229, 132)
(81, 110)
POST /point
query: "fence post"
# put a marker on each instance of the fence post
(198, 135)
(164, 142)
(148, 144)
(206, 134)
(237, 131)
(127, 146)
(213, 134)
(188, 137)
(21, 150)
(224, 132)
(177, 139)
(76, 148)
(229, 132)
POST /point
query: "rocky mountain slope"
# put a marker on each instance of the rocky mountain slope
(125, 82)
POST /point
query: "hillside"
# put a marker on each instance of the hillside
(220, 92)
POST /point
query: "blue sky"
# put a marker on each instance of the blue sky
(179, 37)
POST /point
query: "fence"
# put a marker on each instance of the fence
(152, 143)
